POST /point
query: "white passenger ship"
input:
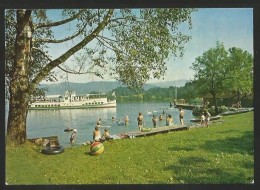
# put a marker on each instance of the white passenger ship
(72, 101)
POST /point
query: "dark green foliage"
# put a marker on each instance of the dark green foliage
(219, 71)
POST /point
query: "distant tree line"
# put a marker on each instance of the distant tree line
(189, 93)
(155, 94)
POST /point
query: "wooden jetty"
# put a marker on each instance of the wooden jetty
(166, 129)
(157, 130)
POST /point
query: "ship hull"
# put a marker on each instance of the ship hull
(45, 106)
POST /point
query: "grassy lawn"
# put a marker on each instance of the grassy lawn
(220, 154)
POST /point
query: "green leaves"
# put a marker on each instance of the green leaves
(144, 39)
(224, 71)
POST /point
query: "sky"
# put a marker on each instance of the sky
(231, 26)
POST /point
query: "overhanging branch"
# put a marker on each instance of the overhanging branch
(45, 71)
(63, 69)
(58, 23)
(62, 40)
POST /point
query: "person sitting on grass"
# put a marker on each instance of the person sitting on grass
(106, 133)
(96, 134)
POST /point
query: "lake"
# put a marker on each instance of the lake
(42, 123)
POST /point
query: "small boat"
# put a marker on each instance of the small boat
(68, 129)
(211, 118)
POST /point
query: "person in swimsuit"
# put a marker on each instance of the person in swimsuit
(140, 119)
(154, 119)
(207, 118)
(73, 136)
(126, 120)
(106, 133)
(203, 119)
(169, 120)
(99, 122)
(181, 116)
(96, 134)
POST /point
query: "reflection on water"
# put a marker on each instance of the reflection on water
(41, 123)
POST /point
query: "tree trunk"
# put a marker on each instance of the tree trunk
(215, 103)
(19, 85)
(238, 95)
(16, 128)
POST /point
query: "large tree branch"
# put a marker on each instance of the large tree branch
(45, 71)
(75, 72)
(62, 40)
(63, 69)
(58, 23)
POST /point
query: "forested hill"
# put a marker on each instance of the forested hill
(100, 86)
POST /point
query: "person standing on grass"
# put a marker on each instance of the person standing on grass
(207, 118)
(140, 119)
(73, 136)
(181, 116)
(202, 120)
(154, 119)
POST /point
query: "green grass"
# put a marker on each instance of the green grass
(220, 154)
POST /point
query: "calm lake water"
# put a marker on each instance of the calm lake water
(42, 123)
